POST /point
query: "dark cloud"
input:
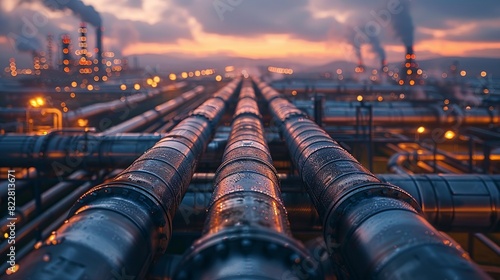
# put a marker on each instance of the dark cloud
(256, 17)
(171, 28)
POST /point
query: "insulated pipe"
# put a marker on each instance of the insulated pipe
(122, 225)
(376, 228)
(451, 203)
(155, 113)
(246, 233)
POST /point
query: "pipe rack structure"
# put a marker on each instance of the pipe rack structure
(246, 233)
(374, 229)
(122, 225)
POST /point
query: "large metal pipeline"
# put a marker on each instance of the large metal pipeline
(99, 108)
(119, 227)
(246, 234)
(375, 229)
(64, 149)
(155, 113)
(451, 203)
(432, 115)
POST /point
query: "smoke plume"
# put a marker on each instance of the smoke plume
(377, 47)
(86, 13)
(403, 24)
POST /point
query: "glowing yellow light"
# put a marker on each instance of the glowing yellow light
(401, 82)
(72, 95)
(380, 98)
(449, 135)
(83, 122)
(172, 77)
(90, 87)
(421, 129)
(33, 103)
(156, 79)
(229, 68)
(149, 81)
(218, 78)
(445, 108)
(6, 235)
(104, 78)
(74, 84)
(359, 98)
(419, 71)
(294, 92)
(197, 73)
(123, 87)
(446, 101)
(96, 78)
(184, 75)
(40, 101)
(65, 109)
(409, 72)
(463, 73)
(137, 86)
(412, 82)
(483, 74)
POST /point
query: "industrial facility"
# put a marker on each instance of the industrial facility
(380, 166)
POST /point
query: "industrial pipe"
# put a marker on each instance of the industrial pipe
(375, 228)
(246, 234)
(122, 225)
(155, 113)
(451, 203)
(58, 149)
(99, 108)
(432, 115)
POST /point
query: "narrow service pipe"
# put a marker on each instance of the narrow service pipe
(246, 234)
(376, 228)
(122, 225)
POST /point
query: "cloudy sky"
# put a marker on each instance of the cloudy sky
(305, 31)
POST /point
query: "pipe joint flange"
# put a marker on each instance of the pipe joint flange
(287, 256)
(362, 191)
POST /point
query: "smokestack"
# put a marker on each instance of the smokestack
(383, 66)
(361, 67)
(410, 57)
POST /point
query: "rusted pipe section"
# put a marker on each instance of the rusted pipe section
(121, 226)
(377, 229)
(246, 233)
